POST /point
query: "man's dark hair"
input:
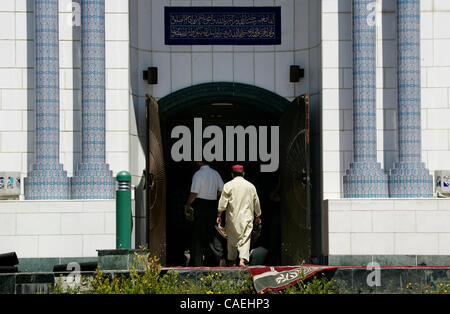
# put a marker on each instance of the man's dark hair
(238, 174)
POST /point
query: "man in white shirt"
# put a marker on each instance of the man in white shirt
(240, 201)
(206, 187)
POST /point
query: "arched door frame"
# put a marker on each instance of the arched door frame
(218, 92)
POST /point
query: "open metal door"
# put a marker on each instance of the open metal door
(156, 183)
(295, 183)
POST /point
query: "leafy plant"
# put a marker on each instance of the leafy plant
(144, 278)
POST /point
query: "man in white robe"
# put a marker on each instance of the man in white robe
(240, 201)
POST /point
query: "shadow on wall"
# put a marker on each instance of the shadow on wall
(141, 224)
(345, 94)
(138, 113)
(389, 31)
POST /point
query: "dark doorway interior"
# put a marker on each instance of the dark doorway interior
(179, 176)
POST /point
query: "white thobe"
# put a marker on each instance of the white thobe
(240, 200)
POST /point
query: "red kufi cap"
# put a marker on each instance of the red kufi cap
(238, 168)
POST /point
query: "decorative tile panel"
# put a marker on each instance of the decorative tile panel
(365, 178)
(409, 177)
(93, 179)
(47, 180)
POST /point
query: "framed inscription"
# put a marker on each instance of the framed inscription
(222, 25)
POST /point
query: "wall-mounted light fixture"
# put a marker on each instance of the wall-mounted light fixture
(296, 73)
(151, 75)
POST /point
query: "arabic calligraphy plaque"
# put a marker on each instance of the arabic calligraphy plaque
(222, 25)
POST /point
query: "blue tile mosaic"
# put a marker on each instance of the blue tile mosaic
(47, 180)
(93, 179)
(364, 178)
(409, 178)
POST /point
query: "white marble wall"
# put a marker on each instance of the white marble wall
(117, 85)
(57, 228)
(337, 88)
(386, 227)
(16, 75)
(436, 83)
(183, 66)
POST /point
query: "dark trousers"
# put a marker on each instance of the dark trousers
(205, 214)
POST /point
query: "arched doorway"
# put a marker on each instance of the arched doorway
(223, 104)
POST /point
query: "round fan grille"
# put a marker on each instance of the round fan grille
(296, 170)
(296, 159)
(156, 171)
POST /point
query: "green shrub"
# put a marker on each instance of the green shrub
(146, 277)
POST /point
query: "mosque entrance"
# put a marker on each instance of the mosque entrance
(275, 156)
